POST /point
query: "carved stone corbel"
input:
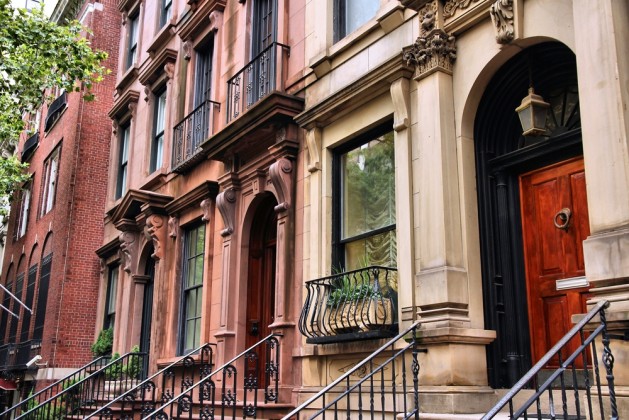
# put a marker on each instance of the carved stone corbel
(216, 20)
(169, 69)
(129, 250)
(501, 12)
(157, 232)
(226, 203)
(103, 266)
(133, 106)
(173, 226)
(114, 127)
(187, 50)
(206, 208)
(147, 93)
(281, 174)
(400, 95)
(434, 50)
(313, 141)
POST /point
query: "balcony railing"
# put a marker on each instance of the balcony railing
(354, 305)
(191, 132)
(26, 351)
(261, 76)
(54, 110)
(7, 356)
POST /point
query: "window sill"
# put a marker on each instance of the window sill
(155, 179)
(129, 75)
(162, 37)
(387, 19)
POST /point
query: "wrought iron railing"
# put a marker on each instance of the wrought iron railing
(159, 387)
(26, 351)
(86, 393)
(384, 385)
(575, 387)
(261, 76)
(54, 388)
(191, 132)
(259, 367)
(353, 305)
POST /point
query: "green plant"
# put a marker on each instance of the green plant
(114, 371)
(104, 343)
(133, 367)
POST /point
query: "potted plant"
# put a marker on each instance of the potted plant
(104, 343)
(123, 375)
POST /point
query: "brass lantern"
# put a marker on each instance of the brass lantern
(532, 112)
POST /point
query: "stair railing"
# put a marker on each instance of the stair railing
(576, 363)
(161, 386)
(201, 396)
(368, 391)
(87, 392)
(54, 388)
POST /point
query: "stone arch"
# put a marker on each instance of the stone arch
(47, 247)
(34, 256)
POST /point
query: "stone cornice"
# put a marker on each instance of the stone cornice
(121, 106)
(153, 68)
(198, 16)
(351, 97)
(133, 203)
(108, 249)
(161, 39)
(192, 198)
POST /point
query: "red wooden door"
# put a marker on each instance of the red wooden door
(554, 225)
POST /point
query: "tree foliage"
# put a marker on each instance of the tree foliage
(37, 55)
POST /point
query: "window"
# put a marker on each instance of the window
(110, 301)
(157, 146)
(51, 169)
(132, 48)
(166, 12)
(123, 159)
(192, 286)
(203, 77)
(28, 301)
(365, 203)
(6, 302)
(42, 297)
(349, 15)
(263, 26)
(25, 205)
(15, 307)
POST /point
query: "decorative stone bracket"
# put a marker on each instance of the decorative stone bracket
(226, 203)
(129, 249)
(281, 174)
(157, 232)
(502, 16)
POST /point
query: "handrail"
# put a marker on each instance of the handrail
(71, 376)
(142, 385)
(350, 372)
(208, 376)
(77, 386)
(531, 375)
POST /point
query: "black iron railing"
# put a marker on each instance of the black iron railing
(55, 109)
(26, 351)
(384, 385)
(260, 77)
(191, 132)
(7, 356)
(159, 387)
(575, 387)
(259, 370)
(54, 388)
(354, 305)
(87, 393)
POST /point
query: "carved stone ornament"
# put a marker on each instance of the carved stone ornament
(449, 9)
(156, 230)
(433, 52)
(173, 226)
(114, 127)
(133, 106)
(427, 18)
(501, 12)
(206, 208)
(169, 69)
(147, 93)
(313, 141)
(216, 20)
(281, 173)
(103, 266)
(128, 247)
(226, 203)
(187, 50)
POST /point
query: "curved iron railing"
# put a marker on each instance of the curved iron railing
(349, 306)
(560, 392)
(256, 80)
(54, 388)
(87, 392)
(143, 397)
(199, 400)
(373, 387)
(193, 130)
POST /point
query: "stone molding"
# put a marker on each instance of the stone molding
(206, 208)
(502, 15)
(173, 226)
(400, 95)
(226, 203)
(281, 174)
(451, 6)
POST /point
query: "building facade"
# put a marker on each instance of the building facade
(55, 223)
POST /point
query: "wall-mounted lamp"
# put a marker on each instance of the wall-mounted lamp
(532, 112)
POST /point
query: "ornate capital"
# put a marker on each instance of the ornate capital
(173, 226)
(502, 16)
(157, 232)
(226, 203)
(281, 174)
(129, 250)
(435, 52)
(206, 207)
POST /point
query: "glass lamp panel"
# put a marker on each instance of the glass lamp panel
(525, 118)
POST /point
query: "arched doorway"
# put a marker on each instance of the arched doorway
(261, 273)
(532, 267)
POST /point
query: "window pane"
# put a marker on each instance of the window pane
(368, 187)
(355, 13)
(192, 287)
(379, 249)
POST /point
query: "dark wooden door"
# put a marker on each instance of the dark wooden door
(147, 313)
(261, 278)
(554, 225)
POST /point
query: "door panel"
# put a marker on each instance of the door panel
(553, 250)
